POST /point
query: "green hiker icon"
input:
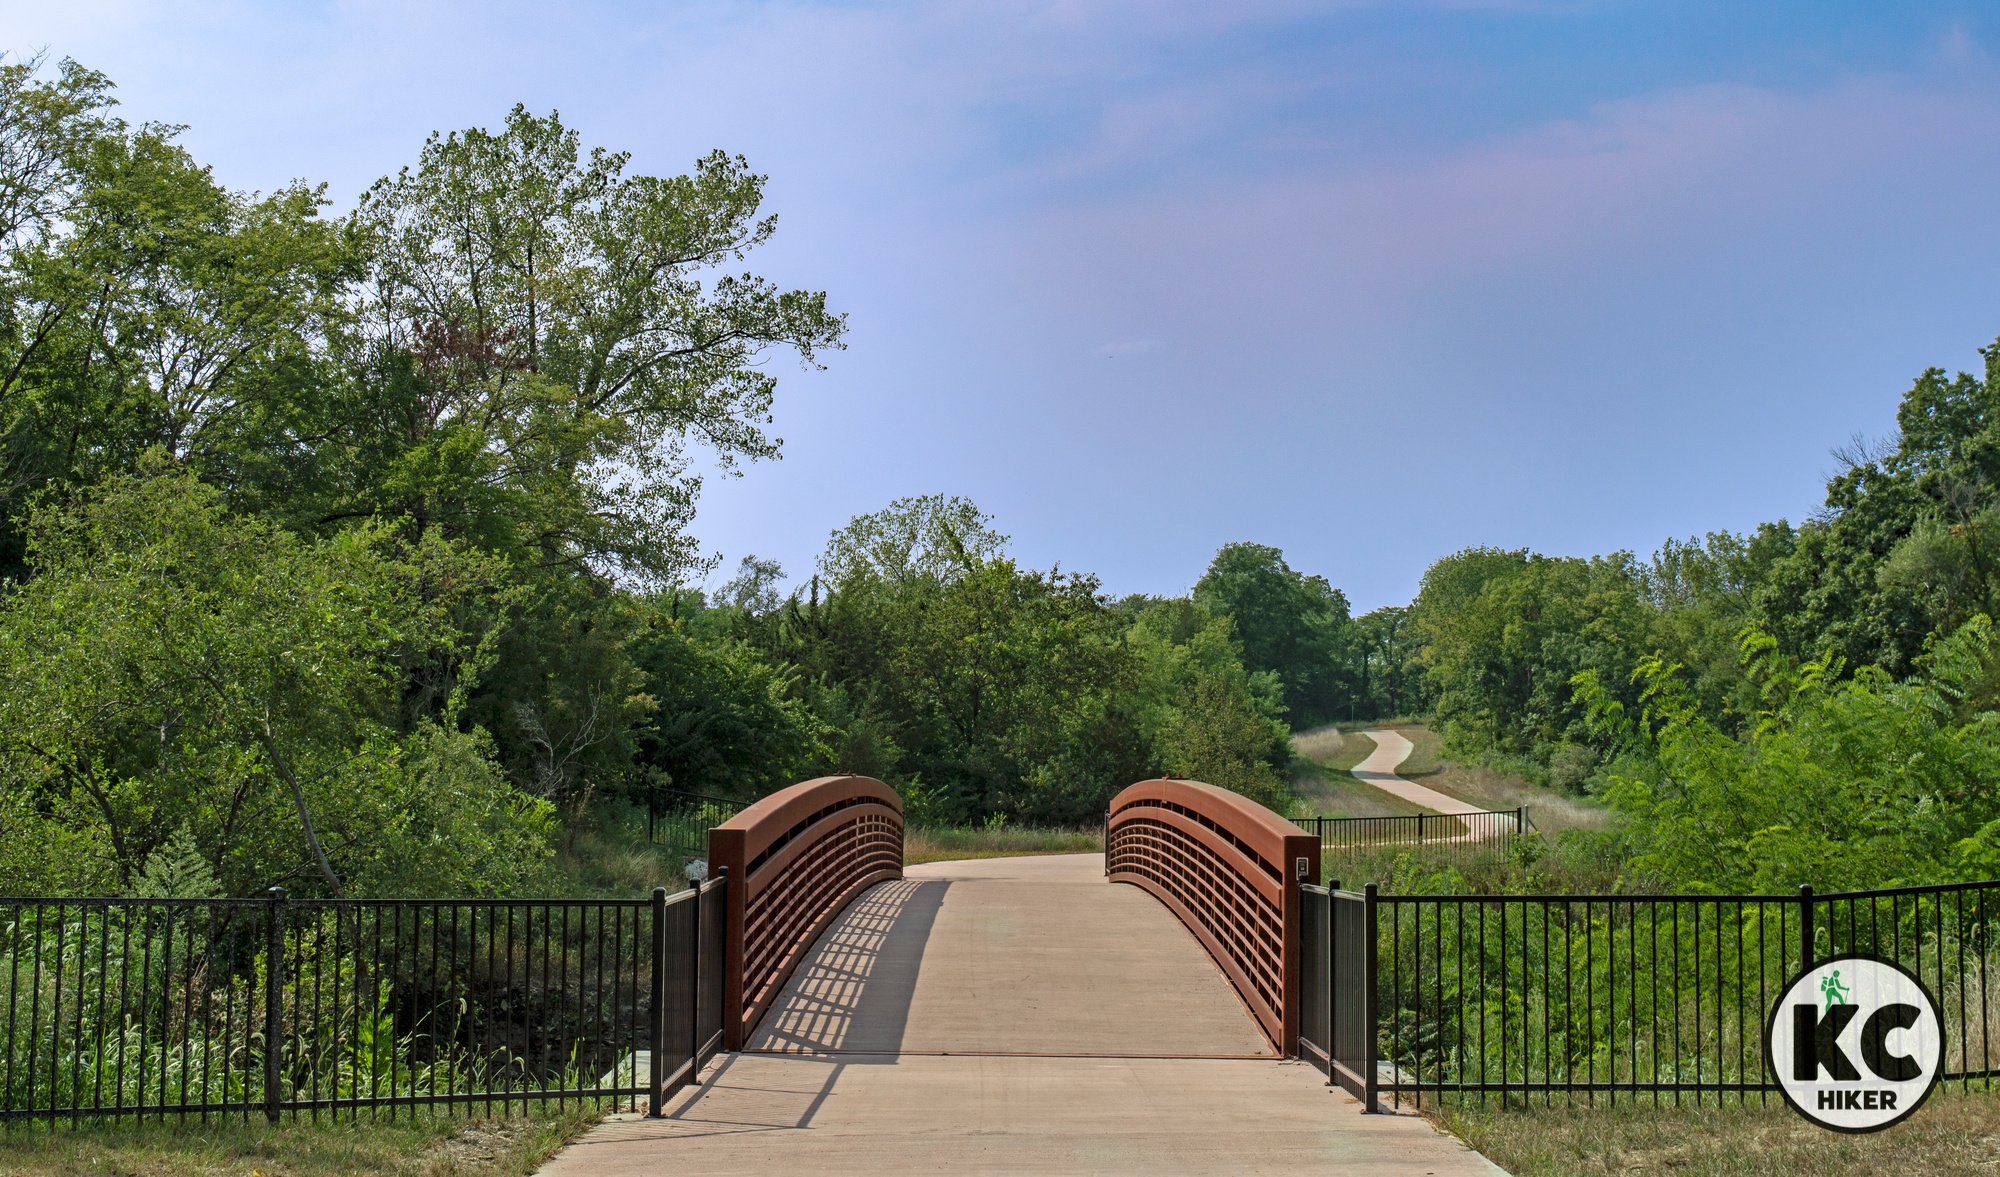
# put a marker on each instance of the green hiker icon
(1834, 990)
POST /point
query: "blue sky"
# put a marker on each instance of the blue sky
(1369, 282)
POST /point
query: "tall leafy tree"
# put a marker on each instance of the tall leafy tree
(1290, 624)
(559, 340)
(174, 666)
(1504, 632)
(145, 306)
(1390, 684)
(1905, 547)
(922, 538)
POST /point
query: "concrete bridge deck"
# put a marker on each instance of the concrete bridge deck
(983, 1017)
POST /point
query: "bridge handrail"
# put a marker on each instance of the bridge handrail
(795, 860)
(1229, 869)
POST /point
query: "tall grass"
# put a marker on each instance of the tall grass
(609, 856)
(944, 843)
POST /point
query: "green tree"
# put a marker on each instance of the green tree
(1846, 781)
(554, 336)
(1292, 625)
(1702, 595)
(173, 666)
(1504, 632)
(723, 719)
(1204, 716)
(935, 538)
(1391, 683)
(546, 346)
(145, 306)
(1905, 548)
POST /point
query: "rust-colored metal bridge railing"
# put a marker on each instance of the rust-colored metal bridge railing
(1230, 869)
(794, 862)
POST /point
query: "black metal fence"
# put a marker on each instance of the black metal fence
(680, 820)
(1337, 1021)
(1486, 832)
(275, 1006)
(1662, 998)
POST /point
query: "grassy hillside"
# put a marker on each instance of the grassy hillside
(1325, 785)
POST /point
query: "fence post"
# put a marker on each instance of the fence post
(274, 1005)
(1521, 819)
(1368, 1076)
(658, 1016)
(1420, 829)
(694, 988)
(1806, 936)
(1327, 957)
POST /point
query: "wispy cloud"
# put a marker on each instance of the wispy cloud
(1091, 222)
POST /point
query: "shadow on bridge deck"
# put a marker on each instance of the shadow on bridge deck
(853, 992)
(1026, 956)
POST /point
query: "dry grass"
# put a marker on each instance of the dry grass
(1320, 745)
(1952, 1134)
(1327, 792)
(1550, 810)
(426, 1146)
(946, 843)
(1322, 782)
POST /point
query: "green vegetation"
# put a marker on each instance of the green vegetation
(610, 857)
(425, 1145)
(352, 552)
(357, 546)
(943, 844)
(1323, 780)
(1953, 1133)
(1849, 783)
(1796, 704)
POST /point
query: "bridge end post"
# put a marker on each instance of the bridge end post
(725, 854)
(1301, 862)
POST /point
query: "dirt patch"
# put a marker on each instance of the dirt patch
(478, 1146)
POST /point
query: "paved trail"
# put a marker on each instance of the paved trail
(1015, 1015)
(1379, 770)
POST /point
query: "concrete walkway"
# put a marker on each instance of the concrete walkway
(1010, 956)
(1379, 770)
(1014, 1015)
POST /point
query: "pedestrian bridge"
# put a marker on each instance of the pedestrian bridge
(1022, 1015)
